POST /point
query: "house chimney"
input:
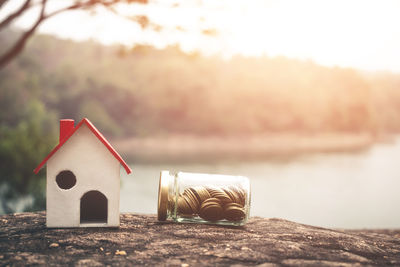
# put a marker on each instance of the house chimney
(66, 126)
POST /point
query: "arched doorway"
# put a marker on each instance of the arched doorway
(93, 207)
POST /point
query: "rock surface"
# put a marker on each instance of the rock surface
(141, 240)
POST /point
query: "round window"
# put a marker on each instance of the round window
(66, 179)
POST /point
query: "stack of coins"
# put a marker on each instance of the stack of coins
(213, 203)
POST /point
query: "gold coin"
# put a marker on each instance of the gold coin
(240, 193)
(234, 212)
(217, 192)
(201, 193)
(192, 200)
(212, 200)
(232, 195)
(230, 205)
(183, 206)
(209, 202)
(211, 210)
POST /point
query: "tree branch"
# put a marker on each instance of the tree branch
(20, 44)
(2, 2)
(16, 14)
(72, 7)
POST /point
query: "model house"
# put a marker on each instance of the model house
(83, 178)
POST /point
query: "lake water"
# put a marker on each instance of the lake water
(360, 190)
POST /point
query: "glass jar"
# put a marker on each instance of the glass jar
(204, 198)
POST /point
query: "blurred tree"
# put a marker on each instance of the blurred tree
(27, 133)
(20, 147)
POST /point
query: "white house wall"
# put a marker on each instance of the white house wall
(95, 168)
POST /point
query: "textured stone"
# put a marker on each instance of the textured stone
(25, 240)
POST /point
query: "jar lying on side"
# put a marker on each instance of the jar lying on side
(204, 198)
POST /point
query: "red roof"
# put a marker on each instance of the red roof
(97, 134)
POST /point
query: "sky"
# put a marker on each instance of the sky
(363, 34)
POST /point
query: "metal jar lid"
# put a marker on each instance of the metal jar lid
(163, 188)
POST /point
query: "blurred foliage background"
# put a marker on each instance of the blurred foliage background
(143, 92)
